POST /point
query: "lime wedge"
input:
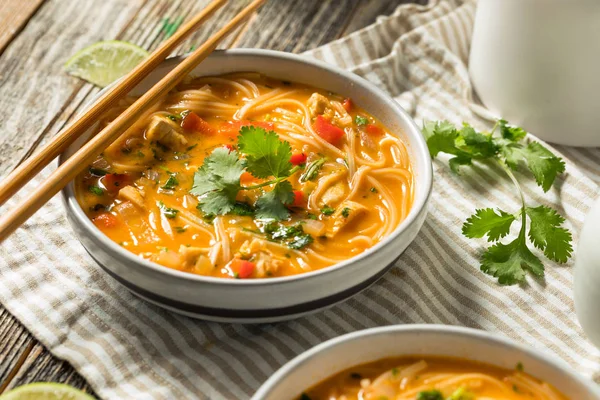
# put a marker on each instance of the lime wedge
(105, 62)
(45, 391)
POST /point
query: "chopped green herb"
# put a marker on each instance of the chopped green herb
(167, 211)
(288, 255)
(96, 190)
(180, 229)
(327, 210)
(192, 147)
(171, 183)
(98, 207)
(242, 209)
(312, 170)
(360, 121)
(98, 171)
(345, 212)
(395, 371)
(311, 216)
(373, 190)
(430, 395)
(125, 150)
(460, 394)
(519, 367)
(140, 154)
(293, 236)
(172, 117)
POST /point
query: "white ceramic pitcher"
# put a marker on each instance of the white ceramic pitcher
(536, 63)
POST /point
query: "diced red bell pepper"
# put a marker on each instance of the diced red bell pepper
(114, 182)
(373, 130)
(105, 220)
(298, 158)
(192, 122)
(298, 199)
(327, 130)
(242, 268)
(232, 128)
(347, 104)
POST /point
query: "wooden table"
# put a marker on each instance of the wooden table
(37, 98)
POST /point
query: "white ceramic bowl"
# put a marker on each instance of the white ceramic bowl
(272, 299)
(336, 355)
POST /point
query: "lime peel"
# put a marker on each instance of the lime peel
(46, 391)
(104, 62)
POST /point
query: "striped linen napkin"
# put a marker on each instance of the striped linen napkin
(127, 348)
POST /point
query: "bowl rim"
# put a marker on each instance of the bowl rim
(418, 145)
(417, 329)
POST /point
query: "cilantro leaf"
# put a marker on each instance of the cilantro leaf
(440, 138)
(266, 155)
(542, 163)
(546, 233)
(272, 205)
(478, 145)
(242, 209)
(430, 395)
(167, 211)
(456, 162)
(512, 133)
(217, 182)
(171, 183)
(312, 170)
(510, 262)
(487, 222)
(360, 121)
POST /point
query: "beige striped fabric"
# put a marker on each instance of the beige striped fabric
(127, 348)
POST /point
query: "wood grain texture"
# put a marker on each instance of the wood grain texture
(14, 14)
(291, 25)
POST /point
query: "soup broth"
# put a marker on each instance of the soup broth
(431, 379)
(243, 176)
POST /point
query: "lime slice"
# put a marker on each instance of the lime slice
(45, 391)
(105, 62)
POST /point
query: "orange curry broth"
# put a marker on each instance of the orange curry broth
(148, 166)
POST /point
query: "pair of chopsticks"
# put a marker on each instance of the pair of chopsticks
(66, 172)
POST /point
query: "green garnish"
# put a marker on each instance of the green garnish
(217, 181)
(374, 190)
(311, 216)
(98, 191)
(460, 394)
(293, 236)
(243, 209)
(167, 211)
(171, 183)
(98, 171)
(507, 262)
(345, 212)
(519, 367)
(179, 229)
(327, 210)
(360, 121)
(312, 170)
(430, 395)
(172, 117)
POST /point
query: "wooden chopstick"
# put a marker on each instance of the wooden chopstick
(66, 172)
(33, 165)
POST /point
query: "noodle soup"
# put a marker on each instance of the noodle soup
(431, 379)
(243, 176)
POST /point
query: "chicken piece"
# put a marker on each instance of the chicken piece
(320, 105)
(134, 195)
(267, 264)
(334, 112)
(334, 195)
(256, 251)
(248, 248)
(190, 255)
(165, 132)
(344, 215)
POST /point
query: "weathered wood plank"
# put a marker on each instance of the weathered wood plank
(297, 26)
(281, 25)
(368, 11)
(14, 14)
(41, 366)
(15, 344)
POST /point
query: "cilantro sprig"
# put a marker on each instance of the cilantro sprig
(540, 226)
(217, 181)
